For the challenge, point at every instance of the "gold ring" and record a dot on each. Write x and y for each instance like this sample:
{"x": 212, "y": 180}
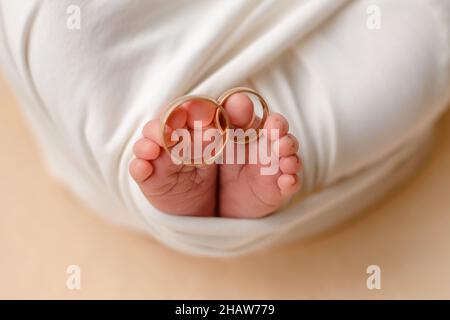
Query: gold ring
{"x": 264, "y": 106}
{"x": 217, "y": 120}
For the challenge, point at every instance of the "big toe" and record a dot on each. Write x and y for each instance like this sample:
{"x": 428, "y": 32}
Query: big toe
{"x": 240, "y": 110}
{"x": 200, "y": 111}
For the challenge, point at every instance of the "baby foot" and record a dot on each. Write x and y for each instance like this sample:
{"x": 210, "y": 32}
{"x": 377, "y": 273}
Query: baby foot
{"x": 243, "y": 191}
{"x": 175, "y": 188}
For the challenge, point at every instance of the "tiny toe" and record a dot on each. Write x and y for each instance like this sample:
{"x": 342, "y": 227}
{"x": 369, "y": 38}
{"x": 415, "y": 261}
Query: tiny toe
{"x": 152, "y": 131}
{"x": 140, "y": 170}
{"x": 199, "y": 110}
{"x": 276, "y": 126}
{"x": 178, "y": 118}
{"x": 146, "y": 149}
{"x": 287, "y": 145}
{"x": 240, "y": 110}
{"x": 290, "y": 165}
{"x": 288, "y": 184}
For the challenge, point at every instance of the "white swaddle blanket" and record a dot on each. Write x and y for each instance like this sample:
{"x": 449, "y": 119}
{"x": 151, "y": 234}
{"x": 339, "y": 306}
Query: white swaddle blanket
{"x": 361, "y": 100}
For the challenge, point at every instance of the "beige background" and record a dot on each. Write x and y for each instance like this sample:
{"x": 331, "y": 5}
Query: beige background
{"x": 43, "y": 229}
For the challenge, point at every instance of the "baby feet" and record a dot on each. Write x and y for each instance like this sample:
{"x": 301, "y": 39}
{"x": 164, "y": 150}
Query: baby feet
{"x": 245, "y": 192}
{"x": 175, "y": 188}
{"x": 229, "y": 189}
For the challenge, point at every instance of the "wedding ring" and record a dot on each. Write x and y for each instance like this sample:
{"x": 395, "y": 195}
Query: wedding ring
{"x": 265, "y": 108}
{"x": 221, "y": 121}
{"x": 220, "y": 116}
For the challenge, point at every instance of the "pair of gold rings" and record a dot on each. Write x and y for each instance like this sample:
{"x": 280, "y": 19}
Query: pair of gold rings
{"x": 221, "y": 119}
